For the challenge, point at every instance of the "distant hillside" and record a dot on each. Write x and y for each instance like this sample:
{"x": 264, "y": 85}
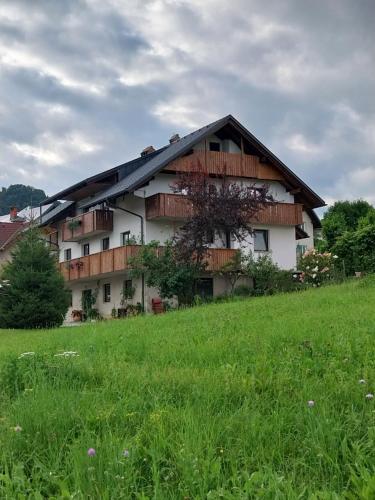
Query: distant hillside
{"x": 20, "y": 196}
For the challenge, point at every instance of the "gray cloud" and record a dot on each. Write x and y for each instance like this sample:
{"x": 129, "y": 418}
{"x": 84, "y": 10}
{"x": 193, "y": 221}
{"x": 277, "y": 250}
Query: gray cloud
{"x": 85, "y": 85}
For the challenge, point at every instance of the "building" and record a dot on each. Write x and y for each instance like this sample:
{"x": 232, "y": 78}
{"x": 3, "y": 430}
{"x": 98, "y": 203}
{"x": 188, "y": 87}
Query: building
{"x": 104, "y": 218}
{"x": 12, "y": 225}
{"x": 9, "y": 232}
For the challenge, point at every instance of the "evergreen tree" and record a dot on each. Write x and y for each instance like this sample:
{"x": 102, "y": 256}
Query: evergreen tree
{"x": 35, "y": 295}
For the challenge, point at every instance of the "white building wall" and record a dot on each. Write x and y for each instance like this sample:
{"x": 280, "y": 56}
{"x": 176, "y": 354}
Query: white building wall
{"x": 309, "y": 228}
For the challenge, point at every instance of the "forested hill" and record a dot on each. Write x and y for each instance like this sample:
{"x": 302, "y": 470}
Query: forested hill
{"x": 20, "y": 196}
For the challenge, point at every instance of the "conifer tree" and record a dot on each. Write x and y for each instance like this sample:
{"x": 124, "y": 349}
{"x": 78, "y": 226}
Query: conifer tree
{"x": 35, "y": 295}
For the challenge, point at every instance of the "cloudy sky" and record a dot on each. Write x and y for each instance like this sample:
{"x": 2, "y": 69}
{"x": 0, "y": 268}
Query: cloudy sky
{"x": 87, "y": 84}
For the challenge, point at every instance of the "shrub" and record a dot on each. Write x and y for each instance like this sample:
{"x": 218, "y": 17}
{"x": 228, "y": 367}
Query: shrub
{"x": 316, "y": 267}
{"x": 263, "y": 272}
{"x": 243, "y": 291}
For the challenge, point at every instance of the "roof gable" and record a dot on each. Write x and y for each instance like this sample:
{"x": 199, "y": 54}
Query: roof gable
{"x": 134, "y": 174}
{"x": 8, "y": 230}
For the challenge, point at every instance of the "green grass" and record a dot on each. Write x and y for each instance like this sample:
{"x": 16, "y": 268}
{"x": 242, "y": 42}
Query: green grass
{"x": 210, "y": 402}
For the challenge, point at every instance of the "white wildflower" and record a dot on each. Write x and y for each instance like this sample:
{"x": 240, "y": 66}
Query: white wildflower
{"x": 67, "y": 354}
{"x": 369, "y": 396}
{"x": 24, "y": 354}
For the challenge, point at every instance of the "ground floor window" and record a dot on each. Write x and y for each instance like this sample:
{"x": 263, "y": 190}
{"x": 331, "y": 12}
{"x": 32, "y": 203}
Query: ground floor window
{"x": 261, "y": 240}
{"x": 205, "y": 287}
{"x": 107, "y": 292}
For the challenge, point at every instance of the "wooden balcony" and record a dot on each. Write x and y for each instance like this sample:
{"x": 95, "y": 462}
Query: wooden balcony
{"x": 88, "y": 224}
{"x": 175, "y": 206}
{"x": 230, "y": 164}
{"x": 117, "y": 260}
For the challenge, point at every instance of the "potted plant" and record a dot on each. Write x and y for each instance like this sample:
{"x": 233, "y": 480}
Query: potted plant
{"x": 73, "y": 224}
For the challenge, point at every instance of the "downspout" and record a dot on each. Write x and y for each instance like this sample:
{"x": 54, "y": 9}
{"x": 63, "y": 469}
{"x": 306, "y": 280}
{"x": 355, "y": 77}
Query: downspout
{"x": 115, "y": 207}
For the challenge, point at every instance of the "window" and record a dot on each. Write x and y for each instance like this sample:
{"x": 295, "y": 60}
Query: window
{"x": 105, "y": 244}
{"x": 210, "y": 237}
{"x": 301, "y": 249}
{"x": 128, "y": 289}
{"x": 67, "y": 254}
{"x": 214, "y": 146}
{"x": 204, "y": 287}
{"x": 86, "y": 249}
{"x": 125, "y": 238}
{"x": 107, "y": 292}
{"x": 261, "y": 240}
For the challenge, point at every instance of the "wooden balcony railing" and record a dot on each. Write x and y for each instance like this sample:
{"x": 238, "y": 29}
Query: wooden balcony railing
{"x": 175, "y": 206}
{"x": 232, "y": 164}
{"x": 117, "y": 259}
{"x": 88, "y": 224}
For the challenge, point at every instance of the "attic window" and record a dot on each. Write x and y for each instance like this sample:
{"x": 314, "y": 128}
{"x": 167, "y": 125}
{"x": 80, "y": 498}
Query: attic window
{"x": 214, "y": 146}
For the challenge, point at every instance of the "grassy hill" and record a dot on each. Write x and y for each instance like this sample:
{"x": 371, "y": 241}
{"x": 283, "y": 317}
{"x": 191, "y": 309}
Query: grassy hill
{"x": 210, "y": 402}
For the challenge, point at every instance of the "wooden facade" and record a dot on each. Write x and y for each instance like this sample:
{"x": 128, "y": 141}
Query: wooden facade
{"x": 175, "y": 206}
{"x": 230, "y": 164}
{"x": 117, "y": 259}
{"x": 87, "y": 224}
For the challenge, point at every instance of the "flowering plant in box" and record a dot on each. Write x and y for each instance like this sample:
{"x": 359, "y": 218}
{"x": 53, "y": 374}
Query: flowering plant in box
{"x": 316, "y": 267}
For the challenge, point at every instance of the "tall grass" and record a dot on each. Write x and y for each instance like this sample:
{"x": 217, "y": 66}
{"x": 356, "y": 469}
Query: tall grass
{"x": 210, "y": 403}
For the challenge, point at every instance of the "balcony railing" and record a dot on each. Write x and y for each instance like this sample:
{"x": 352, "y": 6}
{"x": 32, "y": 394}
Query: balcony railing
{"x": 175, "y": 206}
{"x": 88, "y": 224}
{"x": 230, "y": 164}
{"x": 117, "y": 259}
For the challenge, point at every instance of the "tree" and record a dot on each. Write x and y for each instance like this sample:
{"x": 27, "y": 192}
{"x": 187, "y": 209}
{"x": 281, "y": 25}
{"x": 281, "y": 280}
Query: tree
{"x": 20, "y": 196}
{"x": 356, "y": 249}
{"x": 164, "y": 270}
{"x": 35, "y": 296}
{"x": 219, "y": 206}
{"x": 234, "y": 269}
{"x": 344, "y": 216}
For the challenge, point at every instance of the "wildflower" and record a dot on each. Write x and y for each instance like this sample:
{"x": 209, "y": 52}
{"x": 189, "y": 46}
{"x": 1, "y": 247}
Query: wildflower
{"x": 125, "y": 453}
{"x": 17, "y": 428}
{"x": 362, "y": 381}
{"x": 67, "y": 354}
{"x": 315, "y": 269}
{"x": 369, "y": 396}
{"x": 310, "y": 403}
{"x": 91, "y": 452}
{"x": 335, "y": 256}
{"x": 314, "y": 276}
{"x": 295, "y": 276}
{"x": 24, "y": 354}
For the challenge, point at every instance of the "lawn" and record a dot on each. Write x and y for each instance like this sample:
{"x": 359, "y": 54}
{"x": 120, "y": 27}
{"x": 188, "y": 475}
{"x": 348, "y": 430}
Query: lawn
{"x": 210, "y": 402}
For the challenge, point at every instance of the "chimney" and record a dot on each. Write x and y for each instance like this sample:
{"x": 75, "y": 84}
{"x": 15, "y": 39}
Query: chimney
{"x": 13, "y": 213}
{"x": 174, "y": 138}
{"x": 148, "y": 150}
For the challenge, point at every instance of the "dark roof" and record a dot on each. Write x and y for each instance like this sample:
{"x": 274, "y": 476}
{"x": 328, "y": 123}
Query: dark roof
{"x": 8, "y": 230}
{"x": 122, "y": 170}
{"x": 136, "y": 173}
{"x": 56, "y": 213}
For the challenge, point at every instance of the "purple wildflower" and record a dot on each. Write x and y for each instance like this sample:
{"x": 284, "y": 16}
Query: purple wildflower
{"x": 91, "y": 452}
